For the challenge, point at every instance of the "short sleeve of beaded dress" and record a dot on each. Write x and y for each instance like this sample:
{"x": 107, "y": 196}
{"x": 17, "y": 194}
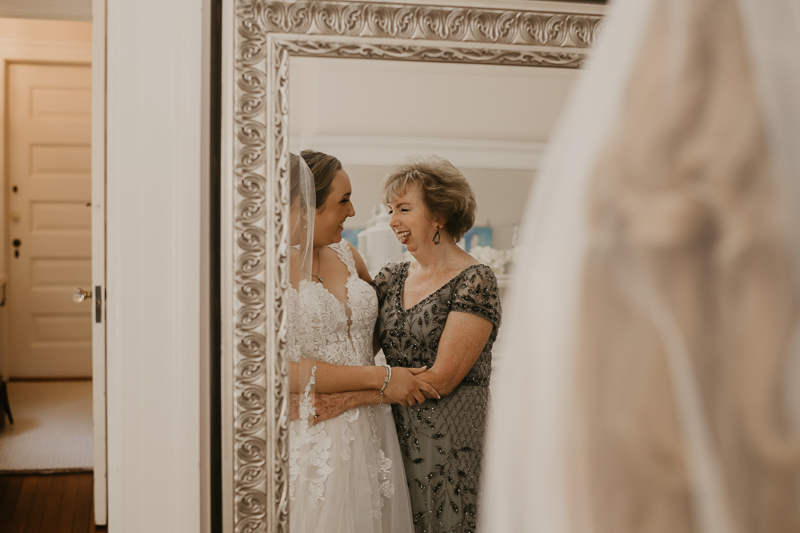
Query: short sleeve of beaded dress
{"x": 441, "y": 440}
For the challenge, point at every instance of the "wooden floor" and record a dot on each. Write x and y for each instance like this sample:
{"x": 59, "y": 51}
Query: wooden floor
{"x": 52, "y": 503}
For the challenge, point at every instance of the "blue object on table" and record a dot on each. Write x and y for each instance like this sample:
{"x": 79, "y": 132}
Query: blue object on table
{"x": 478, "y": 236}
{"x": 351, "y": 236}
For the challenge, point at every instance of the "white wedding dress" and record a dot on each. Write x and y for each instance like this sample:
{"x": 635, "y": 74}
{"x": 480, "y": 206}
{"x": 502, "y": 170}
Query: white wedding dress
{"x": 346, "y": 474}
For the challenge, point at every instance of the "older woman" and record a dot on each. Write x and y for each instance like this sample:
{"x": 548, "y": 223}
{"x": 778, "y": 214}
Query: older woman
{"x": 441, "y": 311}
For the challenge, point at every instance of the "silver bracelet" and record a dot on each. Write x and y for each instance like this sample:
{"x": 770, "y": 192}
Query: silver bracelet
{"x": 388, "y": 377}
{"x": 386, "y": 380}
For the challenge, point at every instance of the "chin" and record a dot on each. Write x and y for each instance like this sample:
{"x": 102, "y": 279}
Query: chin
{"x": 336, "y": 238}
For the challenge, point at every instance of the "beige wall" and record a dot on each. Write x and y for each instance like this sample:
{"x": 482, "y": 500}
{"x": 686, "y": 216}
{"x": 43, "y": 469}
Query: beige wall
{"x": 45, "y": 30}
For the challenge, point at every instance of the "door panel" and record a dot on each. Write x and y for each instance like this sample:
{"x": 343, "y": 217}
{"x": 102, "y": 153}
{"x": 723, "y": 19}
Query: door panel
{"x": 54, "y": 217}
{"x": 48, "y": 157}
{"x": 49, "y": 163}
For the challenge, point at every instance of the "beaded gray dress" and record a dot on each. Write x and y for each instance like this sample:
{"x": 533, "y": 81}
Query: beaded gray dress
{"x": 441, "y": 440}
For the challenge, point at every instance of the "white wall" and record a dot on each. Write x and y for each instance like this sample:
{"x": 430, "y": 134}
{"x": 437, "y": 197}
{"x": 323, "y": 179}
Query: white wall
{"x": 154, "y": 188}
{"x": 492, "y": 122}
{"x": 412, "y": 99}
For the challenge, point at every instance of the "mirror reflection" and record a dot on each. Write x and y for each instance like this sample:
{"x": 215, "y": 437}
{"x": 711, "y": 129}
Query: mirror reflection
{"x": 408, "y": 183}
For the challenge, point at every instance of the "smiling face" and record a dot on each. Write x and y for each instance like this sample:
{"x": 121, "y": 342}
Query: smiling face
{"x": 330, "y": 217}
{"x": 411, "y": 221}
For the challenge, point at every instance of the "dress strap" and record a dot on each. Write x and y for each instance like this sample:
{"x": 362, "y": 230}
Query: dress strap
{"x": 342, "y": 249}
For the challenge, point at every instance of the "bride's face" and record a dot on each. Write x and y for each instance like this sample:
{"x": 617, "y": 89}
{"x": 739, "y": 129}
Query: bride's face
{"x": 329, "y": 222}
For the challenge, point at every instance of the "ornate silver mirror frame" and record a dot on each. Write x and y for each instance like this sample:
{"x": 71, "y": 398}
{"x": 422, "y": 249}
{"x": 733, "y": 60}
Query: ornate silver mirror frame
{"x": 259, "y": 38}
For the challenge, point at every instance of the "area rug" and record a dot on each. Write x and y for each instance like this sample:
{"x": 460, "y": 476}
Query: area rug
{"x": 52, "y": 430}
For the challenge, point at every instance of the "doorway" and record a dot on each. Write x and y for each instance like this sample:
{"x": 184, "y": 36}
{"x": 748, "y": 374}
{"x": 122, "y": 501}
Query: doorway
{"x": 47, "y": 330}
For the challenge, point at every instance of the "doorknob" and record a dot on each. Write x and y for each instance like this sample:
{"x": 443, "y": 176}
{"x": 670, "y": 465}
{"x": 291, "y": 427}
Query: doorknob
{"x": 79, "y": 295}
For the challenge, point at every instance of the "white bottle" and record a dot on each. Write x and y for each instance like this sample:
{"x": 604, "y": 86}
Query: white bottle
{"x": 380, "y": 245}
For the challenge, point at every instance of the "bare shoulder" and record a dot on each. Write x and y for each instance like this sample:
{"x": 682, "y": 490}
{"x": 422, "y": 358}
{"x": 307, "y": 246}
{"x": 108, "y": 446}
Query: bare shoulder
{"x": 361, "y": 266}
{"x": 356, "y": 255}
{"x": 466, "y": 261}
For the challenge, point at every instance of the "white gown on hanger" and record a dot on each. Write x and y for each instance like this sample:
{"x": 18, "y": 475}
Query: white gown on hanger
{"x": 346, "y": 474}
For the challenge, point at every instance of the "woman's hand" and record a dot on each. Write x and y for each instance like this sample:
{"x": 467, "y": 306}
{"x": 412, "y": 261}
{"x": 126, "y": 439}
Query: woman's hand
{"x": 331, "y": 405}
{"x": 328, "y": 405}
{"x": 406, "y": 388}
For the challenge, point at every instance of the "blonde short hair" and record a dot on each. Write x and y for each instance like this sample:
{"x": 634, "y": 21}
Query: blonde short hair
{"x": 445, "y": 191}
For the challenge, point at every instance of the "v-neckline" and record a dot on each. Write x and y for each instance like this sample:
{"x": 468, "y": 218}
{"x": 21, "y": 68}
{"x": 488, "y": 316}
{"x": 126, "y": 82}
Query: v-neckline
{"x": 402, "y": 287}
{"x": 351, "y": 274}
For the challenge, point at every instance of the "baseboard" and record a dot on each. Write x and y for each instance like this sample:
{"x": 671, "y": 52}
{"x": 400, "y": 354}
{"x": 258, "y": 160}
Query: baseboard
{"x": 46, "y": 472}
{"x": 45, "y": 379}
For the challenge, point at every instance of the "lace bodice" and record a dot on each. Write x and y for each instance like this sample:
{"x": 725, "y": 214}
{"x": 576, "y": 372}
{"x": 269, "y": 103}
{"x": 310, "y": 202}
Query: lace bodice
{"x": 349, "y": 465}
{"x": 326, "y": 329}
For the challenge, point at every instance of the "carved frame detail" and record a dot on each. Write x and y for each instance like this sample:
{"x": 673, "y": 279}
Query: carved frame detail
{"x": 266, "y": 34}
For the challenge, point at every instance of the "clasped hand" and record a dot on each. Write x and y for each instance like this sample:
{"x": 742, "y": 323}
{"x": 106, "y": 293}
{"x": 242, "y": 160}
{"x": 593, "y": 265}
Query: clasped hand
{"x": 407, "y": 389}
{"x": 404, "y": 388}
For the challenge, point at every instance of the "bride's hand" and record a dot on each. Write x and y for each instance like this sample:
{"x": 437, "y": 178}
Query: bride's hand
{"x": 406, "y": 388}
{"x": 330, "y": 405}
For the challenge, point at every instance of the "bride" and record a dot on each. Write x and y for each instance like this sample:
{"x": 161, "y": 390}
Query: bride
{"x": 346, "y": 474}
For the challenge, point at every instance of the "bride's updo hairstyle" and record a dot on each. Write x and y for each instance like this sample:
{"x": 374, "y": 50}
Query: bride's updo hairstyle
{"x": 445, "y": 191}
{"x": 324, "y": 167}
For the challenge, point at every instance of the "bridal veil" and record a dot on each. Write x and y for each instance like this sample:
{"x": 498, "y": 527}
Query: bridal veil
{"x": 302, "y": 211}
{"x": 650, "y": 373}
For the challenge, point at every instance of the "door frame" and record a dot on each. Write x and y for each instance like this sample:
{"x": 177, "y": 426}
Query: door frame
{"x": 32, "y": 51}
{"x": 99, "y": 345}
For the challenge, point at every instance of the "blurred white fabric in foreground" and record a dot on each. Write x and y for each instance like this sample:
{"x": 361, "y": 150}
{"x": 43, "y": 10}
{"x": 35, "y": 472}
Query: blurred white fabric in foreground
{"x": 650, "y": 378}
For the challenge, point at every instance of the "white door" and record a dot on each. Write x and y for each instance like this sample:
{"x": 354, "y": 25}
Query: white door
{"x": 49, "y": 191}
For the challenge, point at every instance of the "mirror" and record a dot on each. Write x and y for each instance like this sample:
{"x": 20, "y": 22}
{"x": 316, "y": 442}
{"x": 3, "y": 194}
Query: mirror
{"x": 480, "y": 86}
{"x": 490, "y": 121}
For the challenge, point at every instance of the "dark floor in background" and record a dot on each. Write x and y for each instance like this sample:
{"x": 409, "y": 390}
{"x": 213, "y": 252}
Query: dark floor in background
{"x": 47, "y": 503}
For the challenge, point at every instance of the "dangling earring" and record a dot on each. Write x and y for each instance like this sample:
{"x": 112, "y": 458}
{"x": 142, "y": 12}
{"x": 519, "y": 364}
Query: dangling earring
{"x": 436, "y": 238}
